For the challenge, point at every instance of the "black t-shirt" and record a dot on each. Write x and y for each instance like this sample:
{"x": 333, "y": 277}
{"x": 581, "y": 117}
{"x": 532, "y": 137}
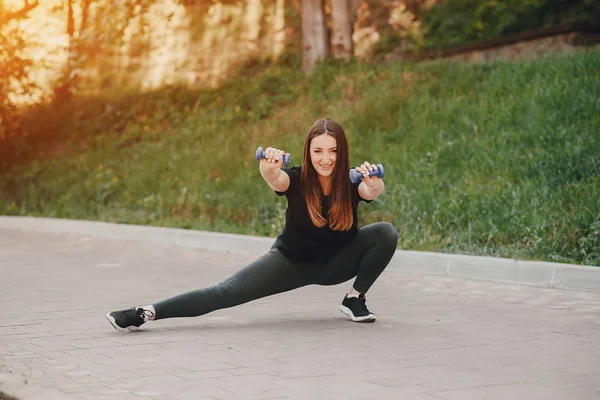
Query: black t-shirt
{"x": 300, "y": 239}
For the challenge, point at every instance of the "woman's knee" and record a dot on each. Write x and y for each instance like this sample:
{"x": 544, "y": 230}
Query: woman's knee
{"x": 384, "y": 233}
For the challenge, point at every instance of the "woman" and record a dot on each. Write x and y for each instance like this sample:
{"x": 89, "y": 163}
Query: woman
{"x": 320, "y": 243}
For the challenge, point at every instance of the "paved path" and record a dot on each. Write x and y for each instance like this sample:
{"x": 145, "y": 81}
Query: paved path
{"x": 436, "y": 337}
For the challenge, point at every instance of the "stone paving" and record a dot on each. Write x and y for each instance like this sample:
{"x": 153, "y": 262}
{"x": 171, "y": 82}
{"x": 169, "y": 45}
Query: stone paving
{"x": 436, "y": 337}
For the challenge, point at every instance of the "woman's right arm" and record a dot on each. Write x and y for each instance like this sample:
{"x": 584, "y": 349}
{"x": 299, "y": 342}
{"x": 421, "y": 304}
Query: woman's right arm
{"x": 270, "y": 169}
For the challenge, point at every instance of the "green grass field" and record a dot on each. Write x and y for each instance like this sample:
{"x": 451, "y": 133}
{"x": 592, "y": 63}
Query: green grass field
{"x": 499, "y": 159}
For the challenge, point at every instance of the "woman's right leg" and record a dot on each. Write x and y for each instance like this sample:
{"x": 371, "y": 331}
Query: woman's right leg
{"x": 270, "y": 274}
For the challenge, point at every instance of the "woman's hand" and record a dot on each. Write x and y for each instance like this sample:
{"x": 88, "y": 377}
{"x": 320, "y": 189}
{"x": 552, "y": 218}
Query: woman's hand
{"x": 371, "y": 186}
{"x": 270, "y": 169}
{"x": 373, "y": 182}
{"x": 273, "y": 160}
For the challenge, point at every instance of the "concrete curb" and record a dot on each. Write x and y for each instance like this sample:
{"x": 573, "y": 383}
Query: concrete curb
{"x": 534, "y": 273}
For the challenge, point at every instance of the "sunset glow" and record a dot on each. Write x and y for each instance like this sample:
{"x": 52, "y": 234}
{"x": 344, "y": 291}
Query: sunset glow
{"x": 171, "y": 52}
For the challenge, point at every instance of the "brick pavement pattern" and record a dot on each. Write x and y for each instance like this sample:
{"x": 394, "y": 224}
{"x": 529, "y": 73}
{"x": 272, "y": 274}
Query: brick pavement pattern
{"x": 436, "y": 337}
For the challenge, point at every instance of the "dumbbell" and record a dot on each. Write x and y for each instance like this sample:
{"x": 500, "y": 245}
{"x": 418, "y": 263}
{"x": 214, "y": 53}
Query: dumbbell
{"x": 260, "y": 153}
{"x": 356, "y": 176}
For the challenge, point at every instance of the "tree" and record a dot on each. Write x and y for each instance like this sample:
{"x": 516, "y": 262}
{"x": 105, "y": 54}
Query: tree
{"x": 63, "y": 89}
{"x": 342, "y": 19}
{"x": 97, "y": 31}
{"x": 315, "y": 46}
{"x": 15, "y": 65}
{"x": 8, "y": 16}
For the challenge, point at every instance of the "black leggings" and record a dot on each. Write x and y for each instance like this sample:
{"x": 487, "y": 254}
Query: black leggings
{"x": 365, "y": 258}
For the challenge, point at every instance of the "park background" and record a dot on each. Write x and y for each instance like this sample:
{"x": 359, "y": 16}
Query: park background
{"x": 484, "y": 113}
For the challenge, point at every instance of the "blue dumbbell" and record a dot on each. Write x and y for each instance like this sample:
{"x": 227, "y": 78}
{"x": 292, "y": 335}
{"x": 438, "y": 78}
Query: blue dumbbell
{"x": 260, "y": 153}
{"x": 356, "y": 176}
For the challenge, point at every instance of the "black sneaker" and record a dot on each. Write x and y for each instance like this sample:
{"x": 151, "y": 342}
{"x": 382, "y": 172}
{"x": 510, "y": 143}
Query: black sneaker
{"x": 131, "y": 318}
{"x": 356, "y": 308}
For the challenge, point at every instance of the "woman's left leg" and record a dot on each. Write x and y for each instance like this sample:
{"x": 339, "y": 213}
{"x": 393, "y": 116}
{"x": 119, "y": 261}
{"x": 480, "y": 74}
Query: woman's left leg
{"x": 365, "y": 258}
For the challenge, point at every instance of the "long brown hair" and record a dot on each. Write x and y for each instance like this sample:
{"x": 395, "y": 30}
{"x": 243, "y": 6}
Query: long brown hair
{"x": 340, "y": 196}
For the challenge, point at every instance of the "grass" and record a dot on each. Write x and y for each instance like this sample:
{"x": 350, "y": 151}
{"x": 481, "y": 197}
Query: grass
{"x": 498, "y": 159}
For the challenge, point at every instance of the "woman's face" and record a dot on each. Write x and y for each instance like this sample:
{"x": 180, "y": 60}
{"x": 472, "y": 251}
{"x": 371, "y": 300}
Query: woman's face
{"x": 323, "y": 154}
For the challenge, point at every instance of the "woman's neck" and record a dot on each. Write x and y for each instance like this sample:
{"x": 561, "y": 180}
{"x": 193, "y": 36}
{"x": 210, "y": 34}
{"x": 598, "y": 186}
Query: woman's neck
{"x": 325, "y": 182}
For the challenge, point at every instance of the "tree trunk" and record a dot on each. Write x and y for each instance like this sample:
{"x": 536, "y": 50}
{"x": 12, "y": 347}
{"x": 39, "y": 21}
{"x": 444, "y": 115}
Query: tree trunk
{"x": 254, "y": 15}
{"x": 342, "y": 18}
{"x": 63, "y": 91}
{"x": 70, "y": 21}
{"x": 314, "y": 34}
{"x": 353, "y": 4}
{"x": 279, "y": 28}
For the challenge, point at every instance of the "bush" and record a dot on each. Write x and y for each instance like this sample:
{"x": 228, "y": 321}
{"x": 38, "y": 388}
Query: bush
{"x": 453, "y": 22}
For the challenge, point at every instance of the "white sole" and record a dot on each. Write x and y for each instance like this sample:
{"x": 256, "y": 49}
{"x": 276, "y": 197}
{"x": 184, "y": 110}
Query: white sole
{"x": 366, "y": 318}
{"x": 117, "y": 327}
{"x": 114, "y": 323}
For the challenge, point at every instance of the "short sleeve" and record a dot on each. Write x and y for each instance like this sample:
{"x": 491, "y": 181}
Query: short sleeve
{"x": 355, "y": 193}
{"x": 294, "y": 174}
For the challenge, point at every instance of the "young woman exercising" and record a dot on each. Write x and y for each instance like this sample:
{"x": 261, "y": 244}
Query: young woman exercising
{"x": 320, "y": 244}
